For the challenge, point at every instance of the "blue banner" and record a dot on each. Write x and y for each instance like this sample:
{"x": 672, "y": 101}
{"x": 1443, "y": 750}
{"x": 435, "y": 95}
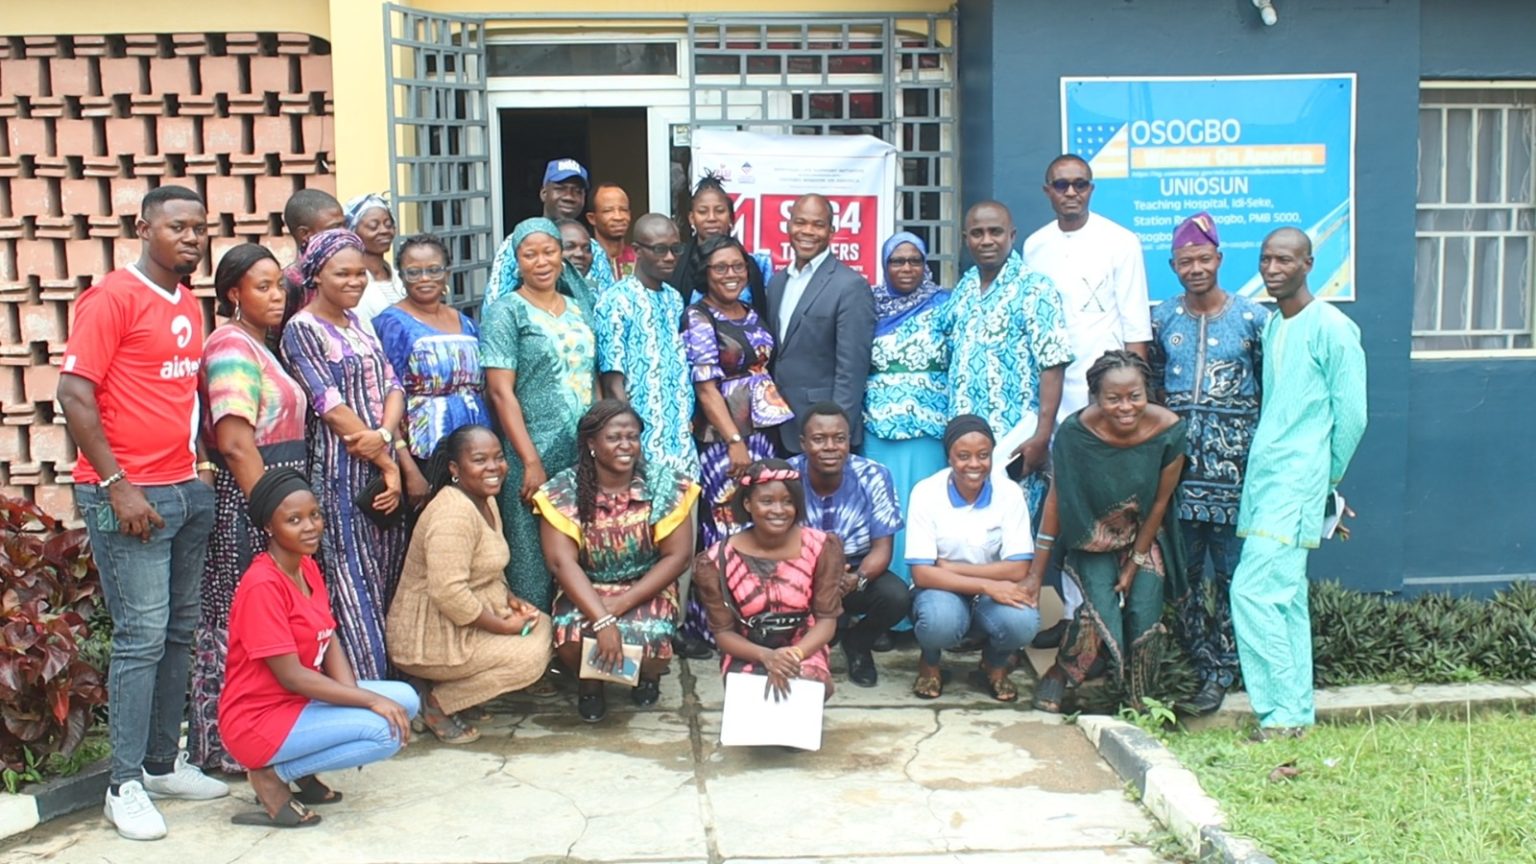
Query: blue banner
{"x": 1256, "y": 152}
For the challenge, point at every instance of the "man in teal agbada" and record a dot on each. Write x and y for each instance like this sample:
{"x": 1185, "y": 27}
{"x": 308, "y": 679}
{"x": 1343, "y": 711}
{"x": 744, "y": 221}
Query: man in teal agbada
{"x": 1313, "y": 416}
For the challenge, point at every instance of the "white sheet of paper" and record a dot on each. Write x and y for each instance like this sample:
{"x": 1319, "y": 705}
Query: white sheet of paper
{"x": 1009, "y": 441}
{"x": 1331, "y": 519}
{"x": 749, "y": 720}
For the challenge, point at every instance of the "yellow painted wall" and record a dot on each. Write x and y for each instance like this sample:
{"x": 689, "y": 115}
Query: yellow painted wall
{"x": 22, "y": 18}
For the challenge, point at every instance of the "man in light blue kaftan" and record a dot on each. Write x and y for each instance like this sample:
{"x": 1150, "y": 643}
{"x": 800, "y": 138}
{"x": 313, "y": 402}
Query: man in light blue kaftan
{"x": 1313, "y": 417}
{"x": 640, "y": 354}
{"x": 1008, "y": 343}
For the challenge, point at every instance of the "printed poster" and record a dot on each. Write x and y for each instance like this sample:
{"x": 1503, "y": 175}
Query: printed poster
{"x": 764, "y": 174}
{"x": 1257, "y": 152}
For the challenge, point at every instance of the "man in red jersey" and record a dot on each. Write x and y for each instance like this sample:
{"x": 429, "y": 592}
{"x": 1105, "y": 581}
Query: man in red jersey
{"x": 129, "y": 393}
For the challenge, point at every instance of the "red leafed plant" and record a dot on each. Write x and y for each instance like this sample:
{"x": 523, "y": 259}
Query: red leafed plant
{"x": 49, "y": 589}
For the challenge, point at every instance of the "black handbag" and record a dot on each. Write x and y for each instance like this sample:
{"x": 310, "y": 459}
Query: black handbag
{"x": 364, "y": 502}
{"x": 771, "y": 630}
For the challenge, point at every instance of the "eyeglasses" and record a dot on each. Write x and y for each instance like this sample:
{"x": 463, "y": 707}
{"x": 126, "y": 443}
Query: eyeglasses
{"x": 660, "y": 250}
{"x": 1079, "y": 184}
{"x": 738, "y": 268}
{"x": 416, "y": 274}
{"x": 913, "y": 261}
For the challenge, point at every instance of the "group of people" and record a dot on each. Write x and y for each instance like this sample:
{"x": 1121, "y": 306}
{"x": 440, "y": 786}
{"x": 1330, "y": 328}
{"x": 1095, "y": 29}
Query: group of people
{"x": 373, "y": 512}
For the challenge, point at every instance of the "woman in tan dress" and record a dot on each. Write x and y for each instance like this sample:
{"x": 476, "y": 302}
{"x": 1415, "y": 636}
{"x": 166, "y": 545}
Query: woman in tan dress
{"x": 454, "y": 625}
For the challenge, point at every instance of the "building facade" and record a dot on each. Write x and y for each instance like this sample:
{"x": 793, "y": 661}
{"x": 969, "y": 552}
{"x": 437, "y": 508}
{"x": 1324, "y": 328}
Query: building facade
{"x": 450, "y": 104}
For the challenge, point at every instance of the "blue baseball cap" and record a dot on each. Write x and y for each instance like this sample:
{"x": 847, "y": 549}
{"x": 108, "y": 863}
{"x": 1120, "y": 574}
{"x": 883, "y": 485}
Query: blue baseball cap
{"x": 564, "y": 169}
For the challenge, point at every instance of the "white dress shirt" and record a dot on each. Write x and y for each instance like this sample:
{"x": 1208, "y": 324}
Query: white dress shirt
{"x": 794, "y": 289}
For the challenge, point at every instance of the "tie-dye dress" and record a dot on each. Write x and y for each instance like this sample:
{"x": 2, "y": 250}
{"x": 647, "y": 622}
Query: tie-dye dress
{"x": 440, "y": 372}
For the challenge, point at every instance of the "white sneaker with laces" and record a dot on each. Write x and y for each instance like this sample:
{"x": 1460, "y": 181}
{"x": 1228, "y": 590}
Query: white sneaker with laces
{"x": 184, "y": 781}
{"x": 132, "y": 813}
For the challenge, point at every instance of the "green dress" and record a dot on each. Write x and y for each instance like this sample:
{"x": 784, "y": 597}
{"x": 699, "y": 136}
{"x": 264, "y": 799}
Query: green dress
{"x": 554, "y": 360}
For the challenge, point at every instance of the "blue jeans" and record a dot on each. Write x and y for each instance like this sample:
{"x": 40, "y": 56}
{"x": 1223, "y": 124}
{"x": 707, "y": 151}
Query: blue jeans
{"x": 332, "y": 737}
{"x": 941, "y": 619}
{"x": 151, "y": 589}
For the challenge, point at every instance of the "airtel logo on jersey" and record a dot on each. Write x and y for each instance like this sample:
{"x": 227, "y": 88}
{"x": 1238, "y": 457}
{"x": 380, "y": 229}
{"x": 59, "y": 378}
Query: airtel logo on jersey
{"x": 181, "y": 328}
{"x": 181, "y": 367}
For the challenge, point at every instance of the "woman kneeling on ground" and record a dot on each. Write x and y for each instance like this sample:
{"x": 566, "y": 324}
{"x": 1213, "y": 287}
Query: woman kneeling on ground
{"x": 1117, "y": 465}
{"x": 617, "y": 533}
{"x": 291, "y": 707}
{"x": 776, "y": 566}
{"x": 969, "y": 548}
{"x": 454, "y": 625}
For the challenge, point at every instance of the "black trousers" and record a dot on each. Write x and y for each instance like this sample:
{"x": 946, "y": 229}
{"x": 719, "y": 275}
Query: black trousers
{"x": 883, "y": 602}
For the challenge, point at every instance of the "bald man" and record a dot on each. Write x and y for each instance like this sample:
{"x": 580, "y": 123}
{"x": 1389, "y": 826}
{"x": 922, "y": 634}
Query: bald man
{"x": 822, "y": 314}
{"x": 640, "y": 354}
{"x": 1312, "y": 419}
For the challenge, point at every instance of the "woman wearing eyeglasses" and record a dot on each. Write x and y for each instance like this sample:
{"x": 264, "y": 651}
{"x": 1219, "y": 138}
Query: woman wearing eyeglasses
{"x": 433, "y": 348}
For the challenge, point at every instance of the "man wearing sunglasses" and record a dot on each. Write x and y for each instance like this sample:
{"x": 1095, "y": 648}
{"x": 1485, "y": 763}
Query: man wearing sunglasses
{"x": 640, "y": 356}
{"x": 1097, "y": 266}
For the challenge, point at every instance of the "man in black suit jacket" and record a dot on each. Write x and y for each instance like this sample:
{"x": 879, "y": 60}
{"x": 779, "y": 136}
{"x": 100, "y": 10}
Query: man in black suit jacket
{"x": 822, "y": 314}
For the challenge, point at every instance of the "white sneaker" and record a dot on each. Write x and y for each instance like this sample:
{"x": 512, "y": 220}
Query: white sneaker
{"x": 132, "y": 813}
{"x": 184, "y": 781}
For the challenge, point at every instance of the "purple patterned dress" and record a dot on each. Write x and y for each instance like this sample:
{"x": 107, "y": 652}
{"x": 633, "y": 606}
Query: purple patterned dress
{"x": 733, "y": 353}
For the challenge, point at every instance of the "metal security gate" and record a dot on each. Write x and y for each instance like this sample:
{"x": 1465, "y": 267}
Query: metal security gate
{"x": 439, "y": 138}
{"x": 891, "y": 76}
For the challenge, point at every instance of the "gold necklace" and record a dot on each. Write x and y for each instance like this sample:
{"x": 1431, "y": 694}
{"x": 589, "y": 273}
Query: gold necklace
{"x": 548, "y": 310}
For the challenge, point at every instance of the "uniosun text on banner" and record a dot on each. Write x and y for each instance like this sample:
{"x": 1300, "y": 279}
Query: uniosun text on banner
{"x": 764, "y": 174}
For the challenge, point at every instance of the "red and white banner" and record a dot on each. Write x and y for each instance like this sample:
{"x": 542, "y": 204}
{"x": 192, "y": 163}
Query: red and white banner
{"x": 764, "y": 174}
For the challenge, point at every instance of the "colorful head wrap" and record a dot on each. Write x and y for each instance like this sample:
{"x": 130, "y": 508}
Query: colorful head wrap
{"x": 768, "y": 472}
{"x": 1197, "y": 230}
{"x": 270, "y": 491}
{"x": 355, "y": 208}
{"x": 322, "y": 248}
{"x": 964, "y": 425}
{"x": 892, "y": 306}
{"x": 529, "y": 227}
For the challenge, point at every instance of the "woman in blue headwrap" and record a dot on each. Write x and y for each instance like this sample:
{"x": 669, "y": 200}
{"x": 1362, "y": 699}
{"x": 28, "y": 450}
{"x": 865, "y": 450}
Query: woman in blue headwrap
{"x": 905, "y": 401}
{"x": 538, "y": 352}
{"x": 369, "y": 218}
{"x": 353, "y": 435}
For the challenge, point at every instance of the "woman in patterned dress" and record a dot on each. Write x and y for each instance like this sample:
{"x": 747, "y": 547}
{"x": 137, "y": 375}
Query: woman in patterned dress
{"x": 617, "y": 534}
{"x": 906, "y": 402}
{"x": 776, "y": 565}
{"x": 539, "y": 356}
{"x": 255, "y": 422}
{"x": 358, "y": 406}
{"x": 433, "y": 348}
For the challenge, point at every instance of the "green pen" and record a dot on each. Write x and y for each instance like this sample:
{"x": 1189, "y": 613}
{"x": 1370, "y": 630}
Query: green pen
{"x": 527, "y": 628}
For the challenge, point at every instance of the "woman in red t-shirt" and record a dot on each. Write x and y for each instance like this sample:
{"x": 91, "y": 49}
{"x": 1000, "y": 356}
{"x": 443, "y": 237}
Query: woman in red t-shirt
{"x": 291, "y": 707}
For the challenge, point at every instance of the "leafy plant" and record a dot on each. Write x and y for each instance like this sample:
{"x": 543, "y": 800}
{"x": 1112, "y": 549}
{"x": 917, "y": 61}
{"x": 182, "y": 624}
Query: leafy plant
{"x": 1154, "y": 717}
{"x": 49, "y": 591}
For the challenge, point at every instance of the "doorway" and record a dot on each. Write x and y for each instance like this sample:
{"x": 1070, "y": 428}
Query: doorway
{"x": 611, "y": 142}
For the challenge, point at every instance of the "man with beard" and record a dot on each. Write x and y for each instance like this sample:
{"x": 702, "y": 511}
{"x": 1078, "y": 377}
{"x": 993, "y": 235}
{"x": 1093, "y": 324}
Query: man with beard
{"x": 129, "y": 394}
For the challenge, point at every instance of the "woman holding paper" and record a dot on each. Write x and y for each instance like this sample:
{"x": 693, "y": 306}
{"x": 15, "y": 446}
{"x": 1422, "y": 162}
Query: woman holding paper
{"x": 1117, "y": 465}
{"x": 617, "y": 535}
{"x": 454, "y": 625}
{"x": 773, "y": 592}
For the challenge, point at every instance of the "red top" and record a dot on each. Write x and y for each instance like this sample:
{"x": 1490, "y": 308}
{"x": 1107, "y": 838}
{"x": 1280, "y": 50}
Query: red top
{"x": 141, "y": 346}
{"x": 270, "y": 617}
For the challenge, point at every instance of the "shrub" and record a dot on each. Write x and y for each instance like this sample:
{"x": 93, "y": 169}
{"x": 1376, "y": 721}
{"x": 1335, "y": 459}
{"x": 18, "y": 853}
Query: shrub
{"x": 49, "y": 591}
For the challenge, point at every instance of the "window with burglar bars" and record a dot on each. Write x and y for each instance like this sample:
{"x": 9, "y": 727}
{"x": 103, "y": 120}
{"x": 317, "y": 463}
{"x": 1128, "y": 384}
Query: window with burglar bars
{"x": 1476, "y": 266}
{"x": 439, "y": 141}
{"x": 887, "y": 76}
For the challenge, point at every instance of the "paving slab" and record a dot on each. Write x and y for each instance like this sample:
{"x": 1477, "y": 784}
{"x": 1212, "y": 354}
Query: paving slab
{"x": 961, "y": 779}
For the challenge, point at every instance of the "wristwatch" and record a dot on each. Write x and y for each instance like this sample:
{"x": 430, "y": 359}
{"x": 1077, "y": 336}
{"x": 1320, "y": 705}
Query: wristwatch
{"x": 735, "y": 438}
{"x": 388, "y": 436}
{"x": 1142, "y": 559}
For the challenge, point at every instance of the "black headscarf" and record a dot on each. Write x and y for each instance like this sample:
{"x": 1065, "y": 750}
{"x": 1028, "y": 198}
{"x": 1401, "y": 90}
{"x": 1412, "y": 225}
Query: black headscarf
{"x": 963, "y": 425}
{"x": 274, "y": 486}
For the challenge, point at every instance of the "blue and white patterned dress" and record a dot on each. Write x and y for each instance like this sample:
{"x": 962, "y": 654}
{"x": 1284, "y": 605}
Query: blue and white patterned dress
{"x": 639, "y": 335}
{"x": 444, "y": 385}
{"x": 908, "y": 391}
{"x": 998, "y": 343}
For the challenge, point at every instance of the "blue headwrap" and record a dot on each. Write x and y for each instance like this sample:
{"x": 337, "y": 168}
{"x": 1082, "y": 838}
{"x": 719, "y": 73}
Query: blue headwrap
{"x": 322, "y": 247}
{"x": 891, "y": 306}
{"x": 504, "y": 273}
{"x": 355, "y": 208}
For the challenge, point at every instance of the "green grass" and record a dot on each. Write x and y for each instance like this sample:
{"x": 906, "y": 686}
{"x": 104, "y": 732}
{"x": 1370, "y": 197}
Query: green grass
{"x": 1385, "y": 791}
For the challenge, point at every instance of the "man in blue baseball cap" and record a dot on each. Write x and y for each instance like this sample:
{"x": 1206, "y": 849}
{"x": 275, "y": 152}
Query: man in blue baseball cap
{"x": 564, "y": 192}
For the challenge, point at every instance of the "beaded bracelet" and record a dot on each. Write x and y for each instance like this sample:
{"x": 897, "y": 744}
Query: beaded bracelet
{"x": 603, "y": 623}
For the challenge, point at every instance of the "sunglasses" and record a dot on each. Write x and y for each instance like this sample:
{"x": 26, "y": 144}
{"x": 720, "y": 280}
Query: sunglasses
{"x": 660, "y": 250}
{"x": 913, "y": 261}
{"x": 1079, "y": 184}
{"x": 416, "y": 274}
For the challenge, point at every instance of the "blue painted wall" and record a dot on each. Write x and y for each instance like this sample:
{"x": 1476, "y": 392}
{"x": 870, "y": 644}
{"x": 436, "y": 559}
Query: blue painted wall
{"x": 1036, "y": 43}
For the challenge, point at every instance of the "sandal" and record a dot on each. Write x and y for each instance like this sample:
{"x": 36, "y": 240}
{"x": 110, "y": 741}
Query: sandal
{"x": 928, "y": 686}
{"x": 446, "y": 727}
{"x": 474, "y": 714}
{"x": 592, "y": 706}
{"x": 313, "y": 792}
{"x": 1050, "y": 693}
{"x": 1002, "y": 689}
{"x": 291, "y": 815}
{"x": 646, "y": 693}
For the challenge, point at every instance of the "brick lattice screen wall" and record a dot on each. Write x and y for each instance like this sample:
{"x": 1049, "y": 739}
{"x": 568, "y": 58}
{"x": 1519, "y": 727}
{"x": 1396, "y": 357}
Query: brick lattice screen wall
{"x": 88, "y": 124}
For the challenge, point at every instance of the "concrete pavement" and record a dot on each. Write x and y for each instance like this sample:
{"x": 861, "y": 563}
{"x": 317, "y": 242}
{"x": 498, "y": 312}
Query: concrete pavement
{"x": 962, "y": 779}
